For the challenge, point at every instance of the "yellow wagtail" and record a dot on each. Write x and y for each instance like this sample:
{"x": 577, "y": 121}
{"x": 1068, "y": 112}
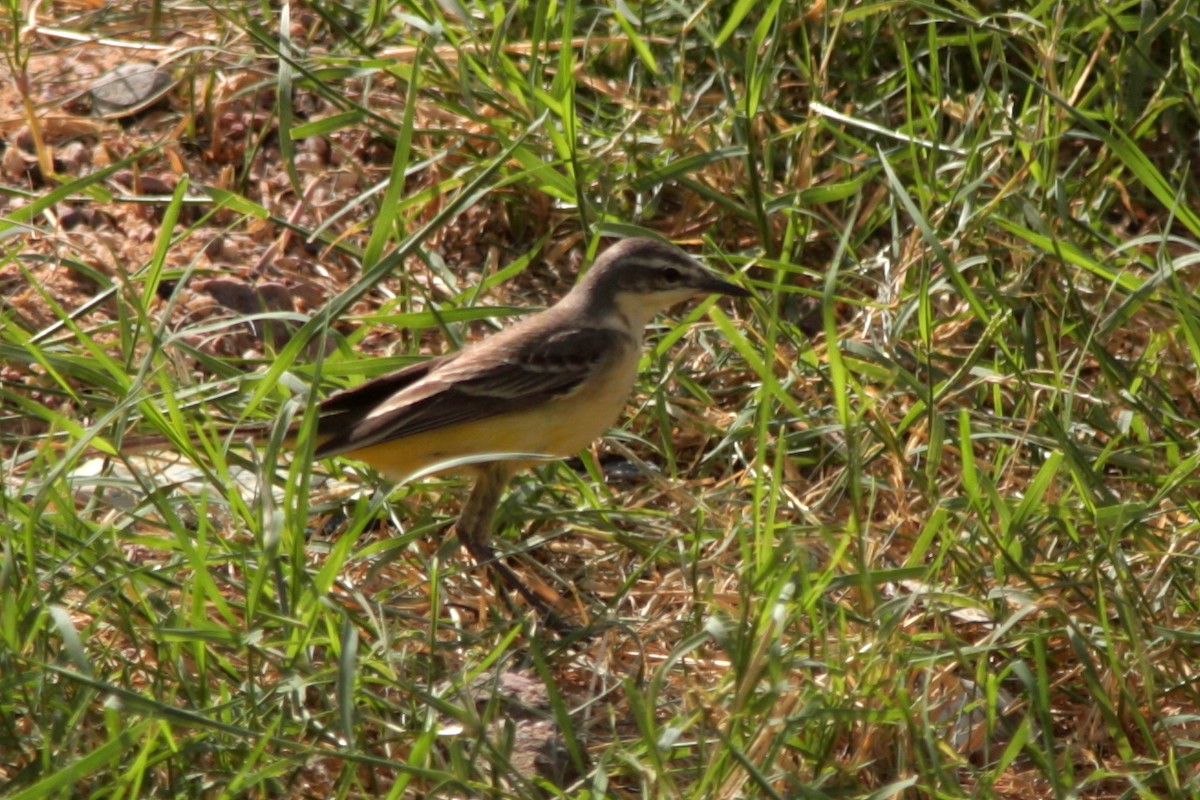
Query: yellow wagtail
{"x": 545, "y": 387}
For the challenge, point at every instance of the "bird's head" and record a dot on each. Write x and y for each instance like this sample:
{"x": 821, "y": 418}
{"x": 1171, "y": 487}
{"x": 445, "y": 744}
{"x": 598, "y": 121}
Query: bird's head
{"x": 638, "y": 278}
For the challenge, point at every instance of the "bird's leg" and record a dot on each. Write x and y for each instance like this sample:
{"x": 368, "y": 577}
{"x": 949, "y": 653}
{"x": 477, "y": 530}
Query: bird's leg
{"x": 474, "y": 528}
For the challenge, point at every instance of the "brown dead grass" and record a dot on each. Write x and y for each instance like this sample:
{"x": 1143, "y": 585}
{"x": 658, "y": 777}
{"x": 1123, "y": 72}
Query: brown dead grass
{"x": 217, "y": 129}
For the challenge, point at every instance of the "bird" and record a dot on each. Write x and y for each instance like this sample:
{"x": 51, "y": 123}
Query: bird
{"x": 542, "y": 389}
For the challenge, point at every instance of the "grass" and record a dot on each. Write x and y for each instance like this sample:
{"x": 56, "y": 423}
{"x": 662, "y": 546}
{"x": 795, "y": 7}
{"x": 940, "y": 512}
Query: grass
{"x": 920, "y": 521}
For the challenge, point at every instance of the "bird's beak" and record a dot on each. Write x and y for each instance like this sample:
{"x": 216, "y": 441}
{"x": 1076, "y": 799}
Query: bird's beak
{"x": 714, "y": 285}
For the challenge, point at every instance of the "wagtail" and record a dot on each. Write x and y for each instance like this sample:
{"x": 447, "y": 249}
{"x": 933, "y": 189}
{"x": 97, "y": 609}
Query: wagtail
{"x": 542, "y": 389}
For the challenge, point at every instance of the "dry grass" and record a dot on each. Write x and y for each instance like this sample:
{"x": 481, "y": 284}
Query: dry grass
{"x": 921, "y": 521}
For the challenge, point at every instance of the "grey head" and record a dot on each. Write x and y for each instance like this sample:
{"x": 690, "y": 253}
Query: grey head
{"x": 640, "y": 277}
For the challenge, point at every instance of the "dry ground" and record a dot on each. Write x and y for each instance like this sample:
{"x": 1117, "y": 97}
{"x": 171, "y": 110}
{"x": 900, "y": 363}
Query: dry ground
{"x": 886, "y": 596}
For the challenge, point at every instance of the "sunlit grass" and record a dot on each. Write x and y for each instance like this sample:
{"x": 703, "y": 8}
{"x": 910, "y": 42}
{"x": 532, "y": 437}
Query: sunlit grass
{"x": 919, "y": 520}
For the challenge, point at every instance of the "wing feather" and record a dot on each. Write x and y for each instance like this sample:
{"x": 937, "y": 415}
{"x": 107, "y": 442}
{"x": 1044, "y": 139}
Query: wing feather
{"x": 500, "y": 377}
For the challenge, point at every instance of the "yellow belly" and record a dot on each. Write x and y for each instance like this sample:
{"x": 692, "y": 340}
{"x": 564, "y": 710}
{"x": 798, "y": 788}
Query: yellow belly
{"x": 557, "y": 429}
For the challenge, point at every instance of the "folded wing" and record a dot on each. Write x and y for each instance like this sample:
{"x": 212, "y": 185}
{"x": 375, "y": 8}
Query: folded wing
{"x": 474, "y": 384}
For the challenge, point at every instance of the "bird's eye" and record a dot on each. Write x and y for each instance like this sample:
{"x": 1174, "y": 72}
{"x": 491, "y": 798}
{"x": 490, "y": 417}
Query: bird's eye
{"x": 672, "y": 275}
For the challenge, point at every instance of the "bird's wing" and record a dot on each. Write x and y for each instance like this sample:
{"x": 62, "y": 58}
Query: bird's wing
{"x": 348, "y": 404}
{"x": 475, "y": 384}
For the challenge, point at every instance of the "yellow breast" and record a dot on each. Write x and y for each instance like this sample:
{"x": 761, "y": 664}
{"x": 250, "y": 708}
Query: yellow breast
{"x": 559, "y": 428}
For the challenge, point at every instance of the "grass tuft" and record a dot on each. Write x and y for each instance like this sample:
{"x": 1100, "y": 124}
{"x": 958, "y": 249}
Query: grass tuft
{"x": 919, "y": 520}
